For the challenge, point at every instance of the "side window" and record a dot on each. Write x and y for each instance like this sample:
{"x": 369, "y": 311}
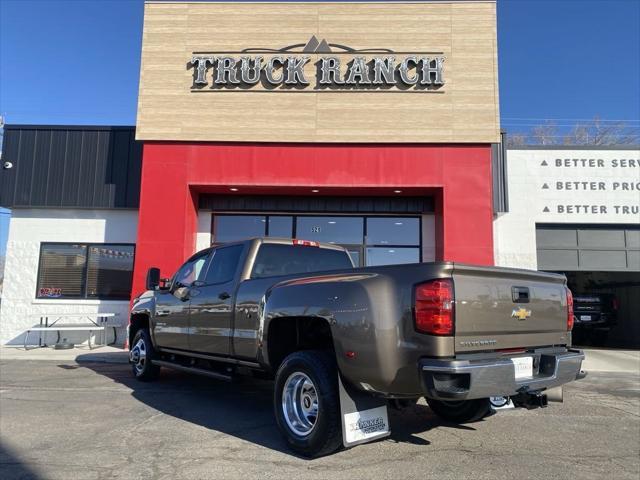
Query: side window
{"x": 190, "y": 271}
{"x": 223, "y": 264}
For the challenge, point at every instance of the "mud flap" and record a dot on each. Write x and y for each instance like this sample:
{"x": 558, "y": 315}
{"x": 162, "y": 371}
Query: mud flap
{"x": 364, "y": 417}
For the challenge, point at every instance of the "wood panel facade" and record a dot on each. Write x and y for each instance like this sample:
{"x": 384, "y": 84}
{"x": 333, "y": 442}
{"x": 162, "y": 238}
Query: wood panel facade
{"x": 464, "y": 110}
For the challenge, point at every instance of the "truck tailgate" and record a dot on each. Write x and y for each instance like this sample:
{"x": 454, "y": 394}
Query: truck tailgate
{"x": 502, "y": 308}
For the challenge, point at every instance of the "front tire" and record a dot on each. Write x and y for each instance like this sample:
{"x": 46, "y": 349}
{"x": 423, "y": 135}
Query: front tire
{"x": 461, "y": 411}
{"x": 141, "y": 355}
{"x": 307, "y": 403}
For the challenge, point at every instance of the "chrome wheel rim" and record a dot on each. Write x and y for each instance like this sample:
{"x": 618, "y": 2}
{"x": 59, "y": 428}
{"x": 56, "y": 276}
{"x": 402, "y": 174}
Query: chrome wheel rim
{"x": 138, "y": 355}
{"x": 300, "y": 404}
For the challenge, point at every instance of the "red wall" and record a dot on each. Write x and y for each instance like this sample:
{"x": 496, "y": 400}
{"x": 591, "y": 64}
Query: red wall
{"x": 173, "y": 174}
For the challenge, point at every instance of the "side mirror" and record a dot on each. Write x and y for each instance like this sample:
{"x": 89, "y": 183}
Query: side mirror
{"x": 153, "y": 278}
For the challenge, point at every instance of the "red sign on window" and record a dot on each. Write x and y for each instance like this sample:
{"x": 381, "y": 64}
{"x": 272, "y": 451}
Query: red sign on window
{"x": 50, "y": 292}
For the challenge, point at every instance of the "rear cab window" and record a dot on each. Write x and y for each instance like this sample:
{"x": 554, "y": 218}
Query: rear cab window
{"x": 276, "y": 259}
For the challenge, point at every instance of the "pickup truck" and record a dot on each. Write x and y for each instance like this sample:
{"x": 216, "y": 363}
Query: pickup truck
{"x": 595, "y": 315}
{"x": 299, "y": 312}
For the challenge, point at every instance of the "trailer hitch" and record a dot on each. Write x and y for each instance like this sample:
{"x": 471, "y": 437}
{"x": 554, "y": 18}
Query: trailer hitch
{"x": 530, "y": 400}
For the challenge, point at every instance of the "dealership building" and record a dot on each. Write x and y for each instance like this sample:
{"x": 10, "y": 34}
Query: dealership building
{"x": 349, "y": 123}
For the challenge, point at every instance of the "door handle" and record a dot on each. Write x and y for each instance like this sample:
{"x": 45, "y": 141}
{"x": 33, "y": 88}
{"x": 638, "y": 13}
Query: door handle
{"x": 224, "y": 296}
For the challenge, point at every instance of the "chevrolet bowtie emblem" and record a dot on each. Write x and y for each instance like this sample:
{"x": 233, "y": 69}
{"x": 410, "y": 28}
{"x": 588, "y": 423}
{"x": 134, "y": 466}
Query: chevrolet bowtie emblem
{"x": 521, "y": 313}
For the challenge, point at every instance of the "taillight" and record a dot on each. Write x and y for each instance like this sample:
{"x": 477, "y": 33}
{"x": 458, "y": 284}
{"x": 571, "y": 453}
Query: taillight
{"x": 614, "y": 303}
{"x": 433, "y": 309}
{"x": 569, "y": 310}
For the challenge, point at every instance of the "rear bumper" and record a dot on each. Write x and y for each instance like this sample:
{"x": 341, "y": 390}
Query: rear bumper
{"x": 467, "y": 379}
{"x": 595, "y": 320}
{"x": 599, "y": 324}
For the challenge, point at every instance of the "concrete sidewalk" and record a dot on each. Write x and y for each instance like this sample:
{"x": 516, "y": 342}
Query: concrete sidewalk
{"x": 597, "y": 360}
{"x": 607, "y": 360}
{"x": 78, "y": 355}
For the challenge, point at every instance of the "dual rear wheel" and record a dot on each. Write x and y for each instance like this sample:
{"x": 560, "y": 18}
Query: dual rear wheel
{"x": 307, "y": 403}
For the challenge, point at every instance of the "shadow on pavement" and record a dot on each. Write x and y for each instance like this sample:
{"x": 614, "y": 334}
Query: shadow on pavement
{"x": 12, "y": 468}
{"x": 243, "y": 408}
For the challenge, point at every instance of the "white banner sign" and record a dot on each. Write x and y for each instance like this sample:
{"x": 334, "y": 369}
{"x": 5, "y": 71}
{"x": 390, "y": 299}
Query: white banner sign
{"x": 596, "y": 186}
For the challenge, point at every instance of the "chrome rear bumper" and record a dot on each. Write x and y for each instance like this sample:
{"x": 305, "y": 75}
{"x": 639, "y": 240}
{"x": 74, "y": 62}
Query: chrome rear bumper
{"x": 469, "y": 379}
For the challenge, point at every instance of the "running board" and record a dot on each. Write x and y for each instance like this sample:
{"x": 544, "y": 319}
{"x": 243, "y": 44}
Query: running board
{"x": 197, "y": 371}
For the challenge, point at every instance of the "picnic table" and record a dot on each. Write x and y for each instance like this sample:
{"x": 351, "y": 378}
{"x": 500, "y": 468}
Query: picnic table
{"x": 56, "y": 322}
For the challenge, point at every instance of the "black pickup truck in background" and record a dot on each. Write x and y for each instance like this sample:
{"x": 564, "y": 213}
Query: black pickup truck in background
{"x": 299, "y": 312}
{"x": 595, "y": 315}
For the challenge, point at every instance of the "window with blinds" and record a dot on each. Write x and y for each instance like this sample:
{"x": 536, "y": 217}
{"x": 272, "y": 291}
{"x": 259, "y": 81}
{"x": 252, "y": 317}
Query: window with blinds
{"x": 96, "y": 271}
{"x": 109, "y": 271}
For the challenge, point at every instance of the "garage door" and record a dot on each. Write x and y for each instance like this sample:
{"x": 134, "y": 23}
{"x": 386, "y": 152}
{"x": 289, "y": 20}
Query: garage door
{"x": 588, "y": 248}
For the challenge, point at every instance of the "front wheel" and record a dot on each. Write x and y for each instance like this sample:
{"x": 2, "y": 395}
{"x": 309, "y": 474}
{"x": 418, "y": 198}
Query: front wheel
{"x": 141, "y": 355}
{"x": 307, "y": 403}
{"x": 460, "y": 411}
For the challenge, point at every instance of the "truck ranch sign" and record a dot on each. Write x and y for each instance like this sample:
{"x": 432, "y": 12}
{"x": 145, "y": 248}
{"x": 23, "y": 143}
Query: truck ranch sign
{"x": 348, "y": 69}
{"x": 412, "y": 71}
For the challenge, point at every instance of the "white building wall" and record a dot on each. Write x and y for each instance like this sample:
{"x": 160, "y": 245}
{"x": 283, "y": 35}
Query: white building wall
{"x": 28, "y": 228}
{"x": 564, "y": 186}
{"x": 203, "y": 235}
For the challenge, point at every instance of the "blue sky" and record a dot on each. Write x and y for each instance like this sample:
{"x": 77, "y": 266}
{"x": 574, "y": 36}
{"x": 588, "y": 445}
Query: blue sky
{"x": 77, "y": 61}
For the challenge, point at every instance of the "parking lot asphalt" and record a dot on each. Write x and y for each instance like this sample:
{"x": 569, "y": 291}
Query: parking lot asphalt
{"x": 67, "y": 420}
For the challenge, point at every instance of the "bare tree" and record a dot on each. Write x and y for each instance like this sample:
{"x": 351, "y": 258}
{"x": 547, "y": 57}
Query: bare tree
{"x": 597, "y": 132}
{"x": 545, "y": 134}
{"x": 516, "y": 139}
{"x": 594, "y": 132}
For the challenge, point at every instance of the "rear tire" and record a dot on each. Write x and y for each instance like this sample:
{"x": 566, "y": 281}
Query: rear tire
{"x": 461, "y": 411}
{"x": 307, "y": 403}
{"x": 141, "y": 356}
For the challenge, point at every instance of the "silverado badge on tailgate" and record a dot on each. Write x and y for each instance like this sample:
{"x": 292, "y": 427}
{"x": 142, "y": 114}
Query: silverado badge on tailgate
{"x": 521, "y": 313}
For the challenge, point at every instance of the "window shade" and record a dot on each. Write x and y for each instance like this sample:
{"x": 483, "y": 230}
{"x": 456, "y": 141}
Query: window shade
{"x": 61, "y": 271}
{"x": 109, "y": 271}
{"x": 101, "y": 271}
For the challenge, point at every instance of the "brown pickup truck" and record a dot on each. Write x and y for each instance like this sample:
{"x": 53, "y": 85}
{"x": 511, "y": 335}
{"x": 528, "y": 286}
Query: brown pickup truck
{"x": 341, "y": 341}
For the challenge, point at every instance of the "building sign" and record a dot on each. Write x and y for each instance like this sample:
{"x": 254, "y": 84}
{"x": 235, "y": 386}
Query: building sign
{"x": 319, "y": 72}
{"x": 337, "y": 67}
{"x": 602, "y": 184}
